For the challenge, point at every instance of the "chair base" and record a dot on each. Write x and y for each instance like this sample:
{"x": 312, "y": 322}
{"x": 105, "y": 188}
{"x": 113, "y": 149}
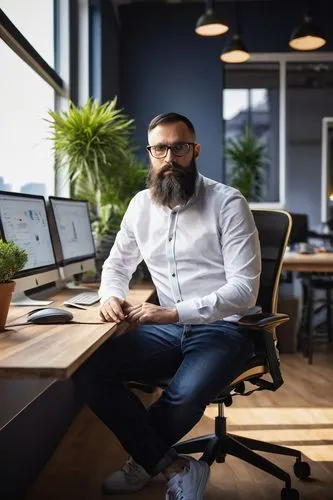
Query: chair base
{"x": 216, "y": 446}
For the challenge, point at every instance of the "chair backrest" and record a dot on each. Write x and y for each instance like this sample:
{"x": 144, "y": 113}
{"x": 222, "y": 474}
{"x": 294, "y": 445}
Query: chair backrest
{"x": 274, "y": 228}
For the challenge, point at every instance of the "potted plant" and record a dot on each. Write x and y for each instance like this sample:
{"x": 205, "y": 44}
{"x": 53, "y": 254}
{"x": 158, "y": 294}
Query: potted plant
{"x": 93, "y": 143}
{"x": 247, "y": 155}
{"x": 12, "y": 260}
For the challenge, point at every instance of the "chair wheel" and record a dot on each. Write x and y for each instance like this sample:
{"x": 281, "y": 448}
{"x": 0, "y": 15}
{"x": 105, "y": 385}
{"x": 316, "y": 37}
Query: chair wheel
{"x": 302, "y": 470}
{"x": 289, "y": 494}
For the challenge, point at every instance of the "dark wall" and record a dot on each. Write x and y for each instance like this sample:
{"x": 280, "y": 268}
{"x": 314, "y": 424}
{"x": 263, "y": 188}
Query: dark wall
{"x": 104, "y": 50}
{"x": 303, "y": 189}
{"x": 165, "y": 66}
{"x": 109, "y": 51}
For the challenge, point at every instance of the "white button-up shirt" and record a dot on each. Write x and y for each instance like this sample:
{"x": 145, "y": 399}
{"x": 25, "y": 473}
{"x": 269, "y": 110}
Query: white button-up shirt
{"x": 203, "y": 257}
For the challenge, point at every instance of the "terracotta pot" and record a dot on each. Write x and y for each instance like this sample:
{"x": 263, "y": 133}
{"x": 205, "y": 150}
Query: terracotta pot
{"x": 6, "y": 290}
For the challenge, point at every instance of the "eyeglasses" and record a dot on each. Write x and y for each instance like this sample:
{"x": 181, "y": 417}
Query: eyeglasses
{"x": 177, "y": 149}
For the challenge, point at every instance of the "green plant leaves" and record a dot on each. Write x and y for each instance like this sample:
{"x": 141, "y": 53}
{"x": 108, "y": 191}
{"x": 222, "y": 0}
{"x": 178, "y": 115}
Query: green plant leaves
{"x": 91, "y": 138}
{"x": 12, "y": 260}
{"x": 93, "y": 143}
{"x": 247, "y": 154}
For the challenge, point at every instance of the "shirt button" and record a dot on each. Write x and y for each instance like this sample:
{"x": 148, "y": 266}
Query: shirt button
{"x": 170, "y": 238}
{"x": 173, "y": 275}
{"x": 178, "y": 301}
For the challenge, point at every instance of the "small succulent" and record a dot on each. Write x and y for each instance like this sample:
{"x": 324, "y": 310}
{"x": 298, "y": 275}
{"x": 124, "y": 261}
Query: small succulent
{"x": 12, "y": 260}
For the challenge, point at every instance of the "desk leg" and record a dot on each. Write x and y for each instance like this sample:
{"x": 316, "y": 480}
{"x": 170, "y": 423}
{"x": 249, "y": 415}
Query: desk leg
{"x": 310, "y": 326}
{"x": 303, "y": 321}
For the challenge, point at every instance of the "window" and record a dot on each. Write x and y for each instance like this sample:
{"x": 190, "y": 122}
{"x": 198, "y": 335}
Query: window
{"x": 251, "y": 103}
{"x": 27, "y": 163}
{"x": 28, "y": 90}
{"x": 34, "y": 19}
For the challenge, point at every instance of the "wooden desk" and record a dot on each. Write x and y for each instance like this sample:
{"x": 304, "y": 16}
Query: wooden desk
{"x": 56, "y": 351}
{"x": 309, "y": 264}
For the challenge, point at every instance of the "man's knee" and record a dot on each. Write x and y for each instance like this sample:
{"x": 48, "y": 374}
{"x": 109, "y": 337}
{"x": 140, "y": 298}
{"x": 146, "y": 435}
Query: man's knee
{"x": 181, "y": 404}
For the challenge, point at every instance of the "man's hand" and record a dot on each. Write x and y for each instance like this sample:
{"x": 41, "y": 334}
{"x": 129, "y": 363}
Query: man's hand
{"x": 150, "y": 313}
{"x": 113, "y": 309}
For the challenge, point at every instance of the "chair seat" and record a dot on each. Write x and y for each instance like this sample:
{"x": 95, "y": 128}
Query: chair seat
{"x": 255, "y": 367}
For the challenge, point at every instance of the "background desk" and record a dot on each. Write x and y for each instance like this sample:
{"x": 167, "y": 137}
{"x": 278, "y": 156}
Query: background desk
{"x": 309, "y": 264}
{"x": 57, "y": 350}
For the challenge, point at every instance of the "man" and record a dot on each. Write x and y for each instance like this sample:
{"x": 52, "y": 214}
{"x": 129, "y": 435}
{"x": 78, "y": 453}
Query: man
{"x": 200, "y": 244}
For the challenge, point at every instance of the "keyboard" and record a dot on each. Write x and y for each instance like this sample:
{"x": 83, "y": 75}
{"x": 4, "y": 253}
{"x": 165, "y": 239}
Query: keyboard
{"x": 83, "y": 299}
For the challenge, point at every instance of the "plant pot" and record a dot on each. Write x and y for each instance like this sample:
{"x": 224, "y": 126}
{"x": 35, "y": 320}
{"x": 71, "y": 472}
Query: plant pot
{"x": 6, "y": 290}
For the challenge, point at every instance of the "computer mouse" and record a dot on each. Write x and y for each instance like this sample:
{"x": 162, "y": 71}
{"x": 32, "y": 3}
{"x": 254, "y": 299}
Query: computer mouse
{"x": 49, "y": 315}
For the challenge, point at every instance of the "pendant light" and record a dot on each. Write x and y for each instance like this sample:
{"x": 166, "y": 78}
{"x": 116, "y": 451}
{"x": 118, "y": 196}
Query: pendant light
{"x": 307, "y": 36}
{"x": 209, "y": 23}
{"x": 235, "y": 50}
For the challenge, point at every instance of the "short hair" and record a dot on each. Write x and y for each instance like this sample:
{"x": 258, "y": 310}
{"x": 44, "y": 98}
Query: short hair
{"x": 171, "y": 118}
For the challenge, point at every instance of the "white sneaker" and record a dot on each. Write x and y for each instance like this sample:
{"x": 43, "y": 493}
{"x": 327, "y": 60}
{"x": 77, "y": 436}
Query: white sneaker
{"x": 131, "y": 477}
{"x": 190, "y": 483}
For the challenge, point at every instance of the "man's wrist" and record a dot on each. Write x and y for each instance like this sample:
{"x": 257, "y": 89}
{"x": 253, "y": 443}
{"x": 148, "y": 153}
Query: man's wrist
{"x": 174, "y": 314}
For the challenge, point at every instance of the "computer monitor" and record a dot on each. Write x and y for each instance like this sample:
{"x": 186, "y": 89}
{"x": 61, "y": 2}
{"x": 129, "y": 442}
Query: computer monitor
{"x": 74, "y": 242}
{"x": 23, "y": 219}
{"x": 300, "y": 228}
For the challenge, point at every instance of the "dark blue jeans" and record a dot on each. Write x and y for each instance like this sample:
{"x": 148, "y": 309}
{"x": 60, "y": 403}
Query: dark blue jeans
{"x": 200, "y": 360}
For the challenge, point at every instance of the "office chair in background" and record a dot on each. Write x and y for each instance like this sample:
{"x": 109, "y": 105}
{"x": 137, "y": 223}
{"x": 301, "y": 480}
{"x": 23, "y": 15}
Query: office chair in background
{"x": 274, "y": 228}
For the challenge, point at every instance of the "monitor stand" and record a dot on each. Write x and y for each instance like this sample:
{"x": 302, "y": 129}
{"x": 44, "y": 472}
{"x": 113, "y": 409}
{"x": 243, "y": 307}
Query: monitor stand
{"x": 76, "y": 286}
{"x": 21, "y": 299}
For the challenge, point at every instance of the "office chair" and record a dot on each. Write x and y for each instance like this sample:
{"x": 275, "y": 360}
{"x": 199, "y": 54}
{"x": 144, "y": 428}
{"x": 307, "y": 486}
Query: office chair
{"x": 274, "y": 228}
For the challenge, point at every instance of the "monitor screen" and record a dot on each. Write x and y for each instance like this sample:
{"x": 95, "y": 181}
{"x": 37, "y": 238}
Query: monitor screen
{"x": 73, "y": 226}
{"x": 23, "y": 220}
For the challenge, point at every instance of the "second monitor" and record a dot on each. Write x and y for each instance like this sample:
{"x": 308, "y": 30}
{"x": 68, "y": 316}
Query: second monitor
{"x": 75, "y": 249}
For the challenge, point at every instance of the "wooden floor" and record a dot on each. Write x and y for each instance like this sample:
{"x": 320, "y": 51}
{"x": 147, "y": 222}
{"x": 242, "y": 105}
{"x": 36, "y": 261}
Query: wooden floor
{"x": 299, "y": 415}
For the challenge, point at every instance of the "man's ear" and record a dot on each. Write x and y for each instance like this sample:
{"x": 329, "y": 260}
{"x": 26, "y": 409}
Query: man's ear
{"x": 197, "y": 150}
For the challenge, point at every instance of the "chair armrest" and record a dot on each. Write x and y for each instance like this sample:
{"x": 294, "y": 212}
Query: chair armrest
{"x": 263, "y": 320}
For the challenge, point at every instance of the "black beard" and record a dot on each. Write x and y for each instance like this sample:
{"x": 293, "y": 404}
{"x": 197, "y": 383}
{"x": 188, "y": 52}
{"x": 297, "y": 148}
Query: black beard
{"x": 175, "y": 188}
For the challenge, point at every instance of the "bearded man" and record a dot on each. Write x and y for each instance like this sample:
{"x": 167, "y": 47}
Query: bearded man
{"x": 200, "y": 244}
